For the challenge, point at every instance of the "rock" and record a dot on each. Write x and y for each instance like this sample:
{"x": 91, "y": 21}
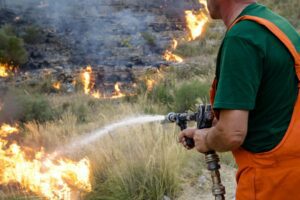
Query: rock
{"x": 202, "y": 180}
{"x": 70, "y": 88}
{"x": 166, "y": 198}
{"x": 59, "y": 68}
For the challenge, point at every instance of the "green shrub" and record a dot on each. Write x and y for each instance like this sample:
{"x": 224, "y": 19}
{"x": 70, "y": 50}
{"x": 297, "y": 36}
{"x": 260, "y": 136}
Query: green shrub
{"x": 190, "y": 49}
{"x": 81, "y": 111}
{"x": 162, "y": 93}
{"x": 35, "y": 108}
{"x": 19, "y": 105}
{"x": 33, "y": 35}
{"x": 11, "y": 47}
{"x": 189, "y": 94}
{"x": 149, "y": 38}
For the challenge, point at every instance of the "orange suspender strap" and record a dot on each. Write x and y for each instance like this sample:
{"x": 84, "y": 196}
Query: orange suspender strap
{"x": 279, "y": 34}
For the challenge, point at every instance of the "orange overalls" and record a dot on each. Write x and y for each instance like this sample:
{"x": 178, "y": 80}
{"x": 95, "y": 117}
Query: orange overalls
{"x": 272, "y": 175}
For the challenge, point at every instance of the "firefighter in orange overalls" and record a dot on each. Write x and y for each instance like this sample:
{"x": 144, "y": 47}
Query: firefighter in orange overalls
{"x": 256, "y": 100}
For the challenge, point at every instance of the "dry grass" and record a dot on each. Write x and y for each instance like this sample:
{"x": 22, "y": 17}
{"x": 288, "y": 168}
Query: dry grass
{"x": 138, "y": 162}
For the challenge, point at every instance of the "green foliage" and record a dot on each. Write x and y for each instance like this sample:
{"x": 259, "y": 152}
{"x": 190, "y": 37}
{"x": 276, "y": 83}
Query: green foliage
{"x": 11, "y": 47}
{"x": 36, "y": 108}
{"x": 81, "y": 111}
{"x": 25, "y": 107}
{"x": 33, "y": 35}
{"x": 162, "y": 93}
{"x": 126, "y": 42}
{"x": 149, "y": 38}
{"x": 179, "y": 98}
{"x": 189, "y": 94}
{"x": 190, "y": 49}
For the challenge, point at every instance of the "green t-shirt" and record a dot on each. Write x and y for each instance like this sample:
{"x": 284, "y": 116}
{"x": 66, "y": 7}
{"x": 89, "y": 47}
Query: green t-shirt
{"x": 255, "y": 72}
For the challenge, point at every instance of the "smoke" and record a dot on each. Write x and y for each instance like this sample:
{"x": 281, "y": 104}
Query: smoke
{"x": 107, "y": 32}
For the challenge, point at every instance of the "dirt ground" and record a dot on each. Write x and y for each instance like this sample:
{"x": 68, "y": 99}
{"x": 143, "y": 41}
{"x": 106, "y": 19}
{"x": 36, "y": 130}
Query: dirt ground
{"x": 202, "y": 190}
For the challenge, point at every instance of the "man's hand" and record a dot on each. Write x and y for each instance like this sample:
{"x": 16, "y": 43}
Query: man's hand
{"x": 227, "y": 134}
{"x": 199, "y": 136}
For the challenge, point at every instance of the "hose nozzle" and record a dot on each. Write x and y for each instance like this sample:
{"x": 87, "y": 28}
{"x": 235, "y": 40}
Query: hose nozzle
{"x": 171, "y": 117}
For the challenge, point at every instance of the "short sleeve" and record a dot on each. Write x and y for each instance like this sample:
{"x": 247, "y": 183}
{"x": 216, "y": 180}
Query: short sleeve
{"x": 240, "y": 74}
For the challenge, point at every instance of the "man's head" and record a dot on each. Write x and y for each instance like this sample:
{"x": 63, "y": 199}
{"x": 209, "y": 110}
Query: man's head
{"x": 219, "y": 8}
{"x": 214, "y": 8}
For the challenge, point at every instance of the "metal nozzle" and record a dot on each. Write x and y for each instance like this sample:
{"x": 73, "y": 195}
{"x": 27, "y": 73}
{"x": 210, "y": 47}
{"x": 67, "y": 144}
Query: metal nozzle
{"x": 171, "y": 117}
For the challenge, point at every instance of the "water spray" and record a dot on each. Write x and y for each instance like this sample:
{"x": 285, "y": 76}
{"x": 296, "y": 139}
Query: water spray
{"x": 99, "y": 133}
{"x": 204, "y": 118}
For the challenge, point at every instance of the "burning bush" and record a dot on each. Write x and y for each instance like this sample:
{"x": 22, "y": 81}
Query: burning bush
{"x": 11, "y": 47}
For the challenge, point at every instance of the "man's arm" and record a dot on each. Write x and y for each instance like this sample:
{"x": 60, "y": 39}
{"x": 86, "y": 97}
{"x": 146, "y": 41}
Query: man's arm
{"x": 228, "y": 134}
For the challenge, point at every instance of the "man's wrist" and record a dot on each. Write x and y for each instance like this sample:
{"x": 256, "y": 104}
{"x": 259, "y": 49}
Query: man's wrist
{"x": 206, "y": 142}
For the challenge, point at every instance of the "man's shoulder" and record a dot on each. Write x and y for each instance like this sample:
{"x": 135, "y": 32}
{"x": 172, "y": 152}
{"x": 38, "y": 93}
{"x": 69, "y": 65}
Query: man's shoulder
{"x": 247, "y": 29}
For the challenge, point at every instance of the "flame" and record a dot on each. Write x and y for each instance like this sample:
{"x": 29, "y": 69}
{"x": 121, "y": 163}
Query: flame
{"x": 196, "y": 21}
{"x": 96, "y": 94}
{"x": 152, "y": 80}
{"x": 7, "y": 130}
{"x": 86, "y": 80}
{"x": 117, "y": 92}
{"x": 5, "y": 69}
{"x": 175, "y": 44}
{"x": 56, "y": 85}
{"x": 169, "y": 56}
{"x": 150, "y": 84}
{"x": 38, "y": 172}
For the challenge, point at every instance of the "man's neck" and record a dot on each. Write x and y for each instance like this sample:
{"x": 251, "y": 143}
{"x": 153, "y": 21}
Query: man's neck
{"x": 232, "y": 11}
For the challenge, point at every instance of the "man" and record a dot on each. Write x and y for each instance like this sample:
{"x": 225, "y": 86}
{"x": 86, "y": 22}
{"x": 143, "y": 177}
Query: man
{"x": 256, "y": 100}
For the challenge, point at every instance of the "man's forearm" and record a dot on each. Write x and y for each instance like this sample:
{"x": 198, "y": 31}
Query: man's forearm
{"x": 217, "y": 139}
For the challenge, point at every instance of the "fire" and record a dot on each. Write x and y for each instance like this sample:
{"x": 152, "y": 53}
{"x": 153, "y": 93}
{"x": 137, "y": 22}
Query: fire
{"x": 169, "y": 56}
{"x": 86, "y": 79}
{"x": 196, "y": 20}
{"x": 117, "y": 92}
{"x": 56, "y": 85}
{"x": 153, "y": 79}
{"x": 150, "y": 84}
{"x": 88, "y": 82}
{"x": 7, "y": 130}
{"x": 38, "y": 172}
{"x": 5, "y": 70}
{"x": 175, "y": 44}
{"x": 96, "y": 94}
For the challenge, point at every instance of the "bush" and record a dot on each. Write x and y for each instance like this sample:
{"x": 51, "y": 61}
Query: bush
{"x": 23, "y": 107}
{"x": 190, "y": 49}
{"x": 33, "y": 35}
{"x": 180, "y": 98}
{"x": 81, "y": 111}
{"x": 189, "y": 94}
{"x": 149, "y": 38}
{"x": 11, "y": 47}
